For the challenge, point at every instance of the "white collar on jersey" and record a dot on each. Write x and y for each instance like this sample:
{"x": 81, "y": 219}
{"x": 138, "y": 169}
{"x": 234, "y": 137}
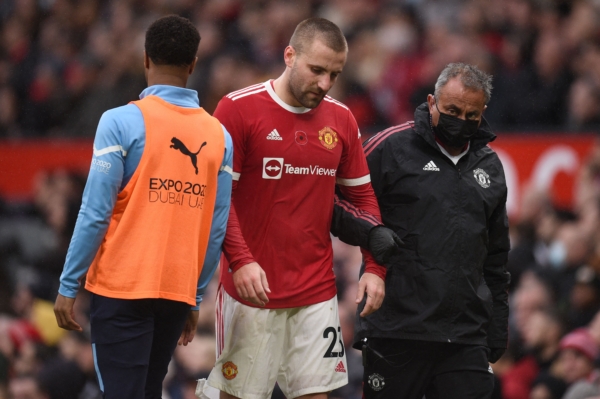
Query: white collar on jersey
{"x": 275, "y": 97}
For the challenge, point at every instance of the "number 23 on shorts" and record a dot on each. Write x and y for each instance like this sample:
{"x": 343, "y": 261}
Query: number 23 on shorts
{"x": 327, "y": 335}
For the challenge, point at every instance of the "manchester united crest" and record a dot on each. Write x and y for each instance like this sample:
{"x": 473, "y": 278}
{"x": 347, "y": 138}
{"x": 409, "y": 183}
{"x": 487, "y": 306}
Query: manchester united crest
{"x": 482, "y": 178}
{"x": 376, "y": 382}
{"x": 229, "y": 370}
{"x": 328, "y": 137}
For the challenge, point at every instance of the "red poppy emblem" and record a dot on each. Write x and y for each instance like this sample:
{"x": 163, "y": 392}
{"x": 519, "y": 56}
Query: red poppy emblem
{"x": 301, "y": 138}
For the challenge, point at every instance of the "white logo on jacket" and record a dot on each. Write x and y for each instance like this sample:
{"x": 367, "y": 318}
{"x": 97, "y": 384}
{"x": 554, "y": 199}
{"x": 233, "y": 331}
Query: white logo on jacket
{"x": 376, "y": 382}
{"x": 431, "y": 167}
{"x": 100, "y": 165}
{"x": 482, "y": 178}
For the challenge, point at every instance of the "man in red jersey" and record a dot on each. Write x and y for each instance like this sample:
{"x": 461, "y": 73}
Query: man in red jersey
{"x": 277, "y": 317}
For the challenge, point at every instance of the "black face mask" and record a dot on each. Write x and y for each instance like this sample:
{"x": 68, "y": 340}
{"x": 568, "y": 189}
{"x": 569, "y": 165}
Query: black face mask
{"x": 453, "y": 131}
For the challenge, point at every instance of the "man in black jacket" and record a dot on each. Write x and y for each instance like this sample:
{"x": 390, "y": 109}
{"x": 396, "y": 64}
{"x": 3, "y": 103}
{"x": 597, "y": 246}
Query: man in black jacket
{"x": 443, "y": 191}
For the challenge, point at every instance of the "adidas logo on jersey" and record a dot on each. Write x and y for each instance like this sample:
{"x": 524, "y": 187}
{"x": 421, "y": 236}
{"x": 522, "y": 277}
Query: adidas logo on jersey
{"x": 340, "y": 368}
{"x": 431, "y": 167}
{"x": 274, "y": 135}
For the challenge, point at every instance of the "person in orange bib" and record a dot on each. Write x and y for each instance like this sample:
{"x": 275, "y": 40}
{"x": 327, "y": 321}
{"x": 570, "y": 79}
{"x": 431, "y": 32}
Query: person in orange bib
{"x": 152, "y": 220}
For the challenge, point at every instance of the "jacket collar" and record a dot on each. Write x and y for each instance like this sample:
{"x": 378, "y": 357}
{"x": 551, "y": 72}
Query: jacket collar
{"x": 483, "y": 136}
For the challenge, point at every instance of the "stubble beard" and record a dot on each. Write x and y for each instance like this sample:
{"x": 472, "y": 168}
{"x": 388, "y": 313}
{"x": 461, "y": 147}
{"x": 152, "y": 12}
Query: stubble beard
{"x": 295, "y": 86}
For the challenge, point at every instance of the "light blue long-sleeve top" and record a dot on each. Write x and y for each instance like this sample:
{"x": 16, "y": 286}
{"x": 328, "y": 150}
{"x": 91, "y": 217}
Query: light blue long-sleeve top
{"x": 118, "y": 148}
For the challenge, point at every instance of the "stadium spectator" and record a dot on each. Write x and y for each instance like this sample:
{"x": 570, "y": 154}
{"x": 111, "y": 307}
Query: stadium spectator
{"x": 547, "y": 386}
{"x": 541, "y": 335}
{"x": 578, "y": 351}
{"x": 26, "y": 387}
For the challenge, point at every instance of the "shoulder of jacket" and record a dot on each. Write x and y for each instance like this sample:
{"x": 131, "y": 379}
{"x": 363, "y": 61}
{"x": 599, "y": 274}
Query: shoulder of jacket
{"x": 123, "y": 111}
{"x": 488, "y": 151}
{"x": 389, "y": 135}
{"x": 490, "y": 158}
{"x": 121, "y": 118}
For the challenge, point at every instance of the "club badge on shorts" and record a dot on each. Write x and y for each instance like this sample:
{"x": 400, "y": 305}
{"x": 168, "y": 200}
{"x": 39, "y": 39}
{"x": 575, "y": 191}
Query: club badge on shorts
{"x": 376, "y": 382}
{"x": 229, "y": 370}
{"x": 482, "y": 178}
{"x": 328, "y": 137}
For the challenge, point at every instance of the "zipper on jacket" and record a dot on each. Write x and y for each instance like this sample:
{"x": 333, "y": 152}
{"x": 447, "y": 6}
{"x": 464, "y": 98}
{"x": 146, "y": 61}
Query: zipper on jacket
{"x": 451, "y": 309}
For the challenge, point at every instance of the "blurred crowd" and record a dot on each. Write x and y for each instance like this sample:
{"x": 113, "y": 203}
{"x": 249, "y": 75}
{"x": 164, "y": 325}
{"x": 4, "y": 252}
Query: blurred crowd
{"x": 554, "y": 324}
{"x": 64, "y": 62}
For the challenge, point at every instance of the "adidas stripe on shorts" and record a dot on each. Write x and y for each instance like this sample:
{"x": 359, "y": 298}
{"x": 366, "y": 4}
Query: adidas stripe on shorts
{"x": 299, "y": 348}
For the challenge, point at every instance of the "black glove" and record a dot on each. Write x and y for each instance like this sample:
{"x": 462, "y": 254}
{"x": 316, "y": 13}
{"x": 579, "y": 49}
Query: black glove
{"x": 383, "y": 243}
{"x": 495, "y": 354}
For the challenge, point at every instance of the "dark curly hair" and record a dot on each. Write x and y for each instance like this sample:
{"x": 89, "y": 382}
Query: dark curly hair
{"x": 172, "y": 40}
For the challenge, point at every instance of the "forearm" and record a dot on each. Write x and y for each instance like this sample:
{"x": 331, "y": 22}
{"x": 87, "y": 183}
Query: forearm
{"x": 234, "y": 245}
{"x": 497, "y": 277}
{"x": 217, "y": 234}
{"x": 350, "y": 224}
{"x": 363, "y": 197}
{"x": 219, "y": 221}
{"x": 90, "y": 229}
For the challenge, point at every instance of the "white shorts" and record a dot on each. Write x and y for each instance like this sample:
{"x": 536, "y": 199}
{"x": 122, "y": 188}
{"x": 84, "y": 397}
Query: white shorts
{"x": 300, "y": 348}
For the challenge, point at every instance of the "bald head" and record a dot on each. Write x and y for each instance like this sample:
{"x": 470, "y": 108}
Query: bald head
{"x": 312, "y": 29}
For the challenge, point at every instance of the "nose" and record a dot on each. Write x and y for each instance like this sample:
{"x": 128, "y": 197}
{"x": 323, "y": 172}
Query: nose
{"x": 325, "y": 83}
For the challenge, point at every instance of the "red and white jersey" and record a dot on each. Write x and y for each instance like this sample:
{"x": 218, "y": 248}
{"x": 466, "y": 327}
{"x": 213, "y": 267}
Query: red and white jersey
{"x": 287, "y": 161}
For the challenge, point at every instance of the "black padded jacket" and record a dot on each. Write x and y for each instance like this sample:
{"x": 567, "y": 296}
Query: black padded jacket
{"x": 450, "y": 282}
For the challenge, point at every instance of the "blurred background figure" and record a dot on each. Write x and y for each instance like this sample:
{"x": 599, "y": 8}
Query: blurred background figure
{"x": 546, "y": 386}
{"x": 578, "y": 351}
{"x": 576, "y": 364}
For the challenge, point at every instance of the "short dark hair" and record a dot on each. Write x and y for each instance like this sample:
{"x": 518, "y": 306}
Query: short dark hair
{"x": 172, "y": 40}
{"x": 320, "y": 28}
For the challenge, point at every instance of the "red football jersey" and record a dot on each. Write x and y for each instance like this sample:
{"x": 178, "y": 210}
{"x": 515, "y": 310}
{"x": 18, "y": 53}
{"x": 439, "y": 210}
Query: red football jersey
{"x": 286, "y": 162}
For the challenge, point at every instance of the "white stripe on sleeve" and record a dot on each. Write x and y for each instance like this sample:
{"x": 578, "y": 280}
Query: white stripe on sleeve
{"x": 227, "y": 169}
{"x": 108, "y": 150}
{"x": 353, "y": 182}
{"x": 247, "y": 94}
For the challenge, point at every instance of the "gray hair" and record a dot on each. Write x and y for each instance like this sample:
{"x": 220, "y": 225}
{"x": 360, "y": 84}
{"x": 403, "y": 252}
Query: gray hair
{"x": 471, "y": 77}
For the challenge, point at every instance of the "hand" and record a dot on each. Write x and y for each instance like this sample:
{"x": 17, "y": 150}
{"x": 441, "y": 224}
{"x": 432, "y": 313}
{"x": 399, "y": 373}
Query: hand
{"x": 189, "y": 329}
{"x": 383, "y": 243}
{"x": 495, "y": 354}
{"x": 63, "y": 310}
{"x": 375, "y": 288}
{"x": 251, "y": 284}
